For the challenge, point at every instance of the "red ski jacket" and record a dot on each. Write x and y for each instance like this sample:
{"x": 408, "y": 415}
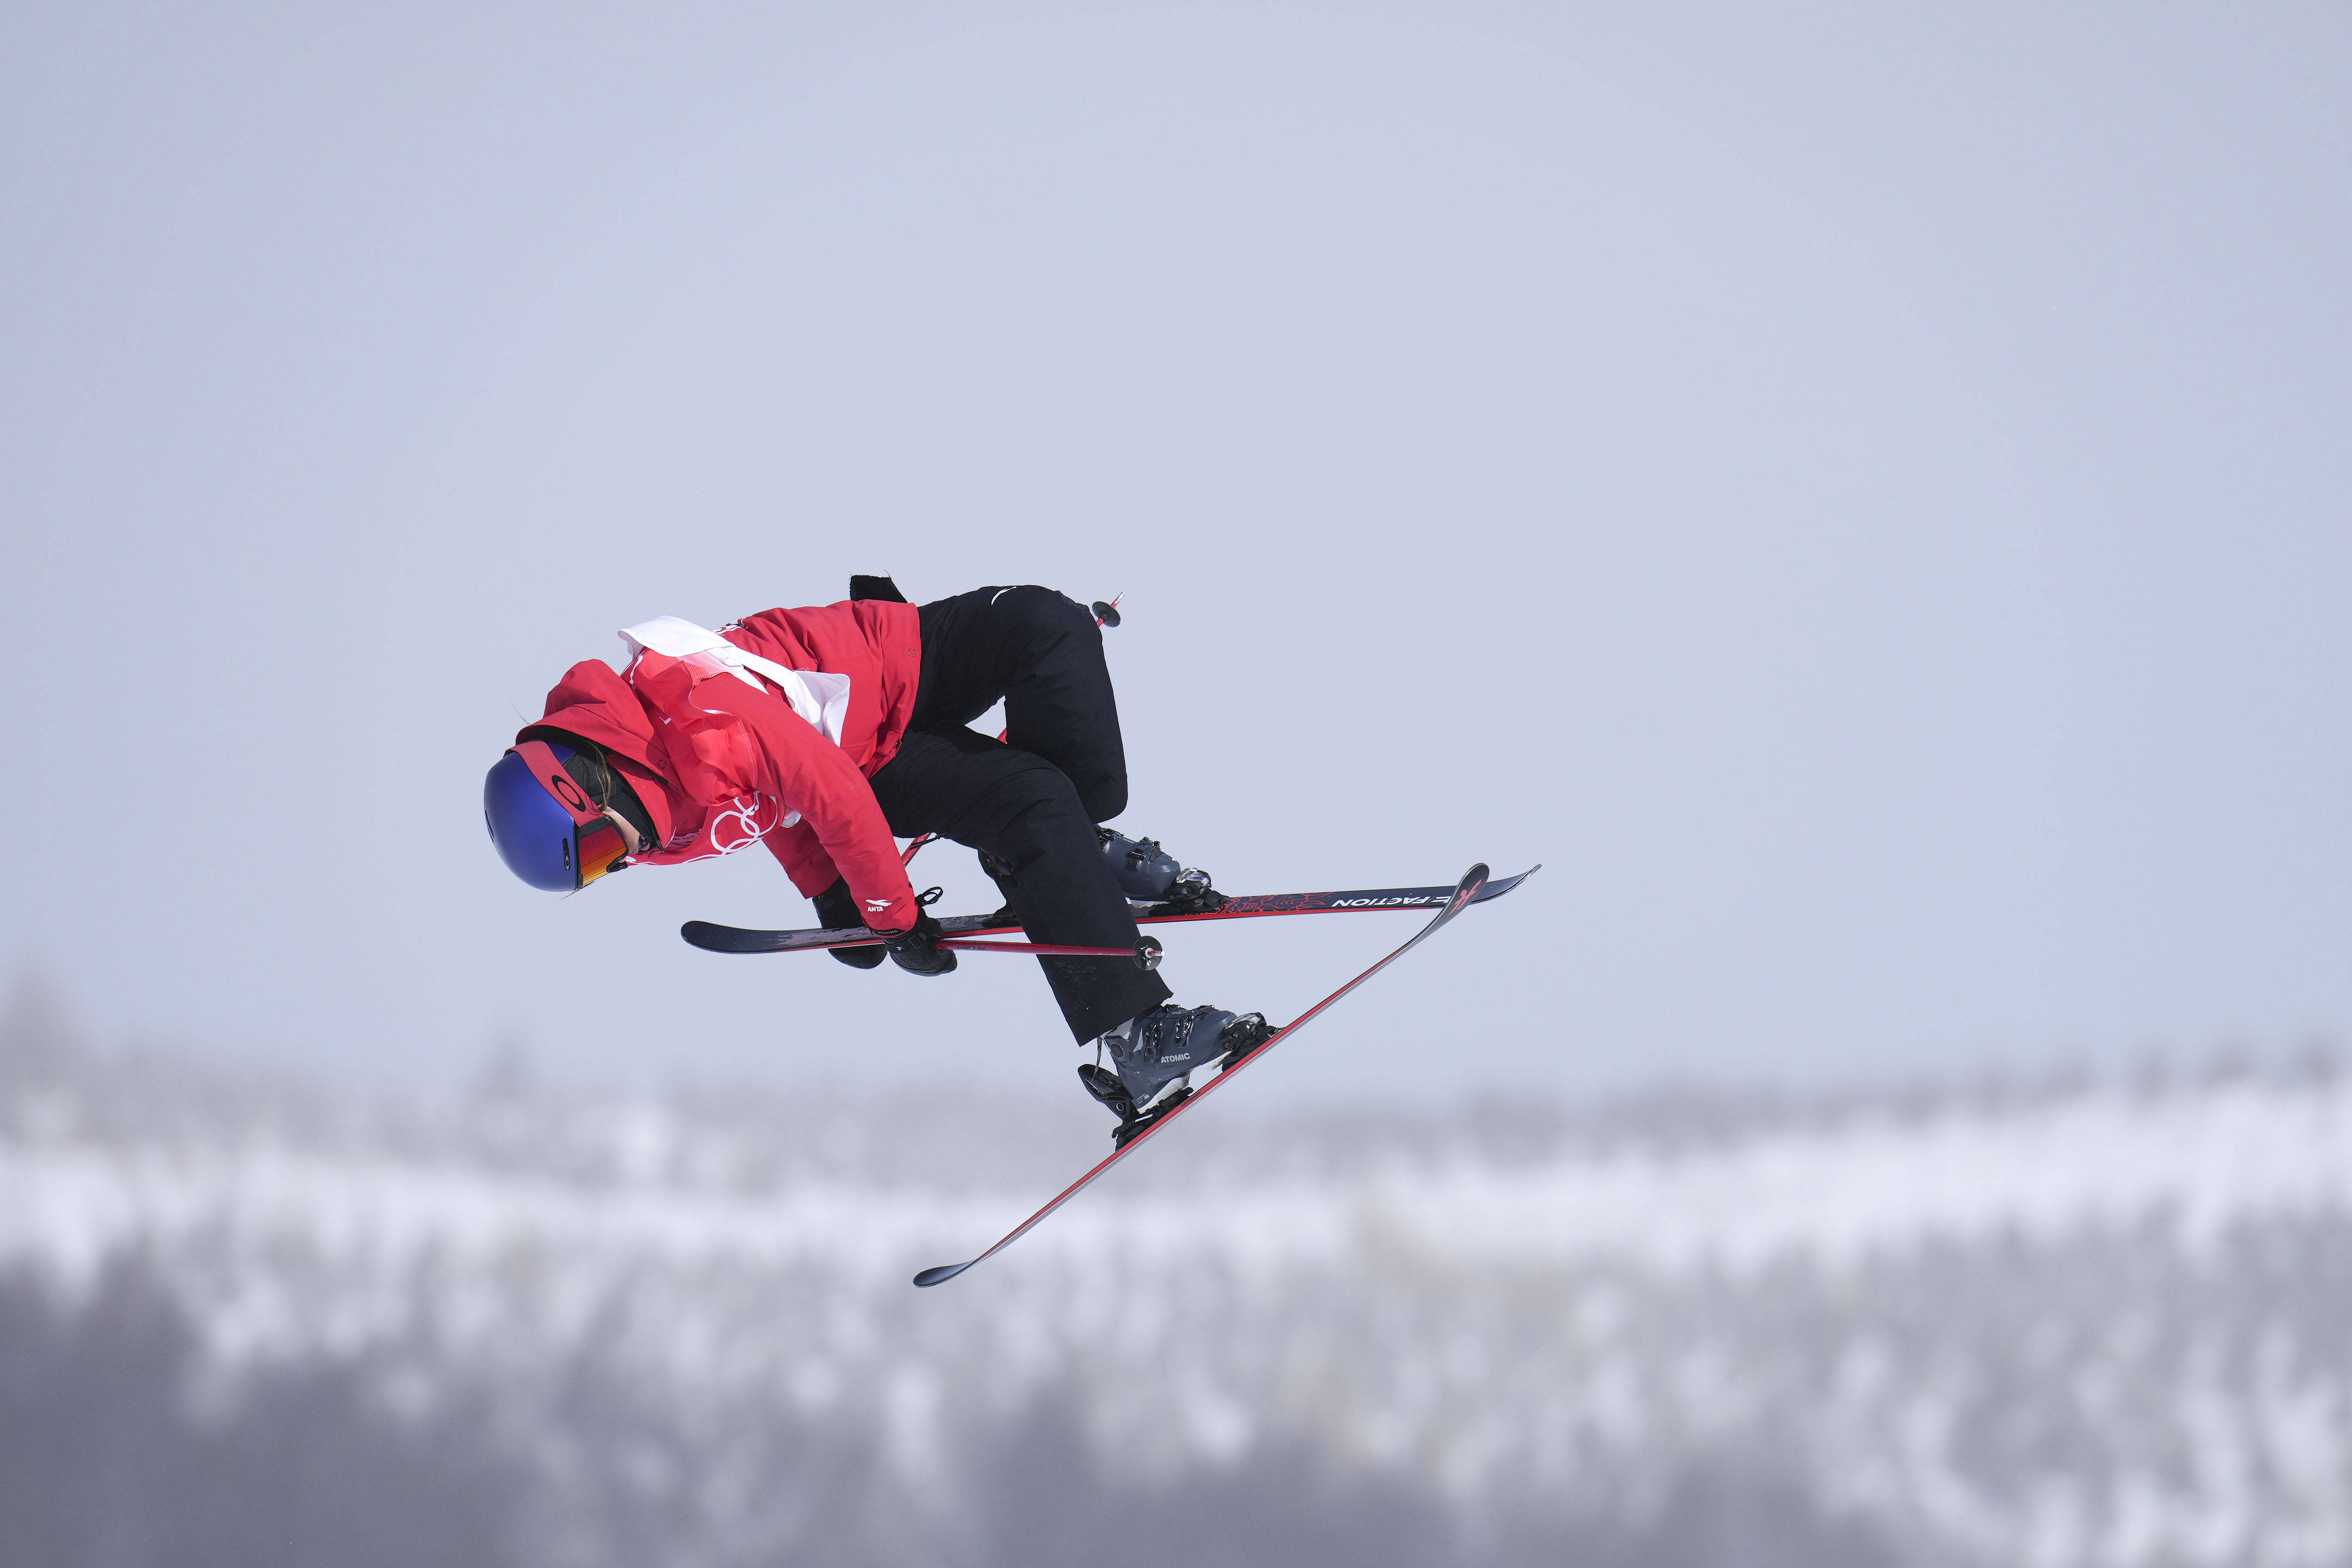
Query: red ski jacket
{"x": 721, "y": 762}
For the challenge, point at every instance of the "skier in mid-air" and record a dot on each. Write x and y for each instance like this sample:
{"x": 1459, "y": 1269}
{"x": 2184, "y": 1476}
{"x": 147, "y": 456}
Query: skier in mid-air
{"x": 822, "y": 732}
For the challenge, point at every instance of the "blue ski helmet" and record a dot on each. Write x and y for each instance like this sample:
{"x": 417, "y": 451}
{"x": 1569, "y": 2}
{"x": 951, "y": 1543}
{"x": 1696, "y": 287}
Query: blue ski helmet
{"x": 542, "y": 823}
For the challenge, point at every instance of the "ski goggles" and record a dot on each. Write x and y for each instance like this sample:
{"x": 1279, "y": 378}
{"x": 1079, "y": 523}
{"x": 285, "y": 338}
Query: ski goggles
{"x": 596, "y": 845}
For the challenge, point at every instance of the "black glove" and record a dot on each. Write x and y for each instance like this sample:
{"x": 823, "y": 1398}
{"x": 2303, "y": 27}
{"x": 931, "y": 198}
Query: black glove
{"x": 918, "y": 951}
{"x": 836, "y": 910}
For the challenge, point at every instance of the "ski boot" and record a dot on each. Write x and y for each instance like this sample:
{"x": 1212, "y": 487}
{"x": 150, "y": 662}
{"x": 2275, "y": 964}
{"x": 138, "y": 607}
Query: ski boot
{"x": 1154, "y": 1056}
{"x": 1150, "y": 876}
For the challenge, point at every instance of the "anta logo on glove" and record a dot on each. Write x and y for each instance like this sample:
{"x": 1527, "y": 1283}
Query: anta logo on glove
{"x": 1381, "y": 903}
{"x": 876, "y": 906}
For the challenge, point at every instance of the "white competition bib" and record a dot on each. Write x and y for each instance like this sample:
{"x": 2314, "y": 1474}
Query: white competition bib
{"x": 820, "y": 698}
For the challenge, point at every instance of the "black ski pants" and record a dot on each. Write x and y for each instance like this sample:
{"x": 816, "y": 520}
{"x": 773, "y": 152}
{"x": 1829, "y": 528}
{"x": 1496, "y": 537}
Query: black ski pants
{"x": 1030, "y": 801}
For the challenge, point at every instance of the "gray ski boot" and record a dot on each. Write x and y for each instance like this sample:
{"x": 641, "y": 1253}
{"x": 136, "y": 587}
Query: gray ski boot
{"x": 1154, "y": 1056}
{"x": 1149, "y": 875}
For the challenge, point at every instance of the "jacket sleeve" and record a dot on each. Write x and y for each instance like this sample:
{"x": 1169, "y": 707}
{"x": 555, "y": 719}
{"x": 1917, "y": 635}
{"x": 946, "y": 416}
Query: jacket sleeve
{"x": 750, "y": 741}
{"x": 801, "y": 855}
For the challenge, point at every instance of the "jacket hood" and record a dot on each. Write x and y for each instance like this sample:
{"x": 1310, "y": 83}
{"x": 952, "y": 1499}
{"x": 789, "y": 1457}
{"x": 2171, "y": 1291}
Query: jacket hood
{"x": 598, "y": 706}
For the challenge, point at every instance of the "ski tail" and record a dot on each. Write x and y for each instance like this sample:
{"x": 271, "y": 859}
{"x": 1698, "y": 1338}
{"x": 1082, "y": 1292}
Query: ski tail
{"x": 1465, "y": 893}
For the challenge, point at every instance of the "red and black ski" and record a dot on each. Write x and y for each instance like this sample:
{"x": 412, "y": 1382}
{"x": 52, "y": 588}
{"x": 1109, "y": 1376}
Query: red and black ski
{"x": 736, "y": 938}
{"x": 1474, "y": 888}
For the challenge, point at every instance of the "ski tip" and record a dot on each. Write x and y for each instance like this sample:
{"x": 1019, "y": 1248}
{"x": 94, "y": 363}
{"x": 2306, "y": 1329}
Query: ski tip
{"x": 942, "y": 1274}
{"x": 696, "y": 933}
{"x": 1496, "y": 889}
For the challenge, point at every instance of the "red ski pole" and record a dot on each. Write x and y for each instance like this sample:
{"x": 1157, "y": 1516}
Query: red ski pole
{"x": 1146, "y": 953}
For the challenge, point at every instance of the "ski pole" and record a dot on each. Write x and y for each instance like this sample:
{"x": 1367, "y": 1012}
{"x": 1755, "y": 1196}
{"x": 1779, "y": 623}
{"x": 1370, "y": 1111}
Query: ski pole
{"x": 1146, "y": 953}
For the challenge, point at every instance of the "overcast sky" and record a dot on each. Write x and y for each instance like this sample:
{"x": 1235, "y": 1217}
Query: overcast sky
{"x": 1861, "y": 493}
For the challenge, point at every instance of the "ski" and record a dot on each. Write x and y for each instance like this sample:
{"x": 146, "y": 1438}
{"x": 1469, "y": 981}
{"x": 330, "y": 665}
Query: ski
{"x": 714, "y": 938}
{"x": 1474, "y": 888}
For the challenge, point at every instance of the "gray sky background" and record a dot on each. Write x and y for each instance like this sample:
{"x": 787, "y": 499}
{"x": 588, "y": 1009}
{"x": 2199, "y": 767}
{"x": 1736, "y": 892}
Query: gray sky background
{"x": 1860, "y": 493}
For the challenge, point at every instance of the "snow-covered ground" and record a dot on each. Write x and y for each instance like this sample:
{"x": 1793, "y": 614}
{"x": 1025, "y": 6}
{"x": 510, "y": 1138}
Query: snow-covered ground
{"x": 2091, "y": 1326}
